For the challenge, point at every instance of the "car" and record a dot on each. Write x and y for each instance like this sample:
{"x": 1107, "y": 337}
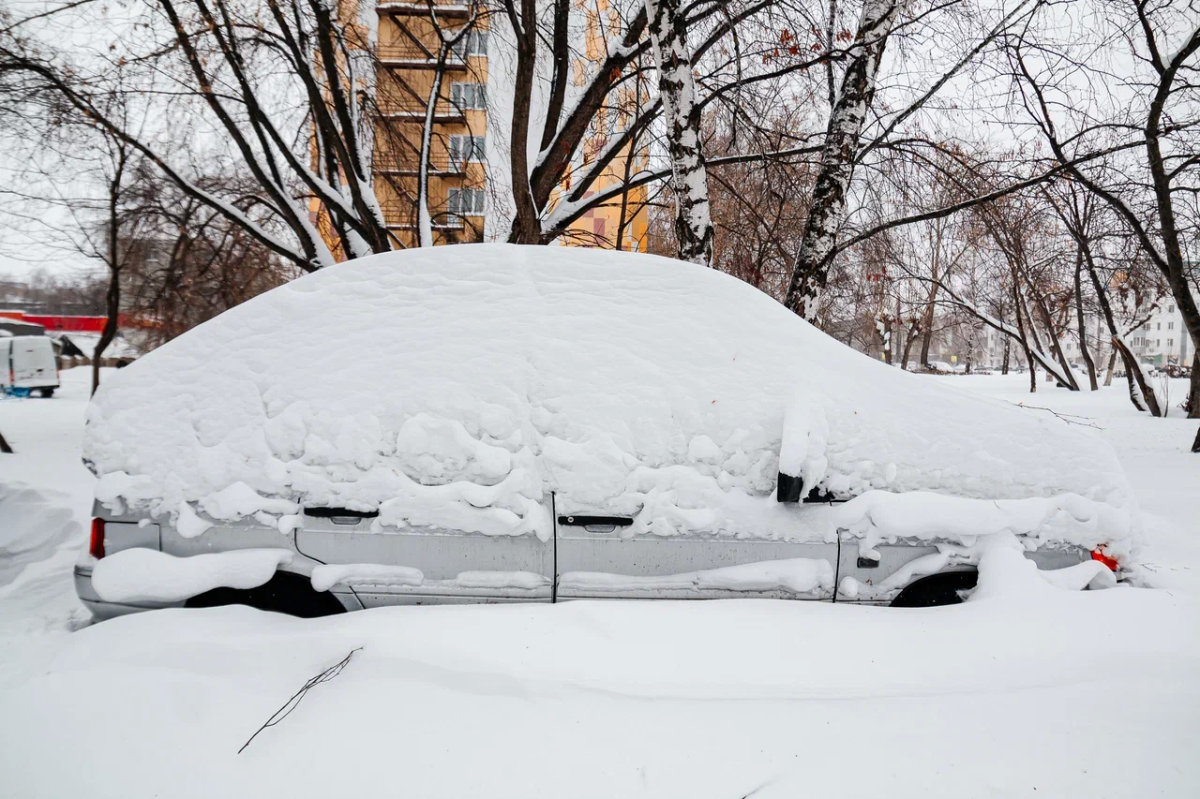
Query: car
{"x": 494, "y": 423}
{"x": 27, "y": 364}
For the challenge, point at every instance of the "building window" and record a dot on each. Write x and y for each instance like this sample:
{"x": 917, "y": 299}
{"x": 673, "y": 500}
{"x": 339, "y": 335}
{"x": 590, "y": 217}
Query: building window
{"x": 1170, "y": 309}
{"x": 1170, "y": 343}
{"x": 1159, "y": 326}
{"x": 468, "y": 95}
{"x": 467, "y": 149}
{"x": 465, "y": 202}
{"x": 474, "y": 43}
{"x": 1170, "y": 325}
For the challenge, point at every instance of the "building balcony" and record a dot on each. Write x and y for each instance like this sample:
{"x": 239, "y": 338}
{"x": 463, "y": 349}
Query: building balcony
{"x": 402, "y": 215}
{"x": 440, "y": 164}
{"x": 407, "y": 8}
{"x": 412, "y": 110}
{"x": 409, "y": 55}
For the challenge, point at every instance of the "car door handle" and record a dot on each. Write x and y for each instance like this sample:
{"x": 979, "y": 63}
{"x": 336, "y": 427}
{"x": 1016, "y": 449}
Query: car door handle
{"x": 595, "y": 521}
{"x": 341, "y": 515}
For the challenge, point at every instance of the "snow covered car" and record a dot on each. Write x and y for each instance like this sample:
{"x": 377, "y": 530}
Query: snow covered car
{"x": 490, "y": 423}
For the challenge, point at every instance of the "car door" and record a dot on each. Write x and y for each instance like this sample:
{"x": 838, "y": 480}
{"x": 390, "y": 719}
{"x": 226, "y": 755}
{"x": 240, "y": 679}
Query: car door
{"x": 32, "y": 361}
{"x": 599, "y": 558}
{"x": 422, "y": 565}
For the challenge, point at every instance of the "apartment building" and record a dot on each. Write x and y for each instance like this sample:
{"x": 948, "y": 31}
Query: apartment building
{"x": 1163, "y": 340}
{"x": 468, "y": 156}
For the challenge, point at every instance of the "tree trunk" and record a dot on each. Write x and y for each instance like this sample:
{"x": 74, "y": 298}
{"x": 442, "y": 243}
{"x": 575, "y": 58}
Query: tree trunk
{"x": 1083, "y": 346}
{"x": 1141, "y": 393}
{"x": 526, "y": 227}
{"x": 1112, "y": 365}
{"x": 1068, "y": 377}
{"x": 689, "y": 179}
{"x": 1172, "y": 264}
{"x": 927, "y": 320}
{"x": 1193, "y": 401}
{"x": 112, "y": 303}
{"x": 1004, "y": 363}
{"x": 908, "y": 342}
{"x": 828, "y": 209}
{"x": 112, "y": 299}
{"x": 1025, "y": 344}
{"x": 424, "y": 219}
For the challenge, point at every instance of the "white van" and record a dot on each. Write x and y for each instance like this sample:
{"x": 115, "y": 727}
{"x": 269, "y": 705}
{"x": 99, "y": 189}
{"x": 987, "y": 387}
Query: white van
{"x": 27, "y": 364}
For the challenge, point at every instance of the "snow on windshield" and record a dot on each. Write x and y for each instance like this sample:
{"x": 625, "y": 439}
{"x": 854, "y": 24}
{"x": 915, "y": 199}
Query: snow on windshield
{"x": 460, "y": 386}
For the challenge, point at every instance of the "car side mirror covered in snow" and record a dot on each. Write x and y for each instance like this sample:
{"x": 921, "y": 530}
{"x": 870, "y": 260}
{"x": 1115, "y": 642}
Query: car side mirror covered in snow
{"x": 788, "y": 488}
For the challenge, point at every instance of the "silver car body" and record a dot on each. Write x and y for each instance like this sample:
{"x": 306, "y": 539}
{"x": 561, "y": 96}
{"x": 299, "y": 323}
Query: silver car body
{"x": 444, "y": 556}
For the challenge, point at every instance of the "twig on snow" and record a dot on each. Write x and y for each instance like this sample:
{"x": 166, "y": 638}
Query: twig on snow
{"x": 1069, "y": 418}
{"x": 292, "y": 703}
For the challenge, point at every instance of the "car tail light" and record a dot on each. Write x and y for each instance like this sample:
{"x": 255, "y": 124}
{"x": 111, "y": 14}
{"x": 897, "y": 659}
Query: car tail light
{"x": 96, "y": 545}
{"x": 1111, "y": 563}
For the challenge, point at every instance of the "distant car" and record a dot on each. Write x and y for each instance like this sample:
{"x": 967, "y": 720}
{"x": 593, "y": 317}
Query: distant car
{"x": 945, "y": 366}
{"x": 489, "y": 423}
{"x": 27, "y": 364}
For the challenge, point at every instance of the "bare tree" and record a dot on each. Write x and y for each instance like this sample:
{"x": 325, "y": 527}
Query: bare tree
{"x": 1162, "y": 122}
{"x": 242, "y": 66}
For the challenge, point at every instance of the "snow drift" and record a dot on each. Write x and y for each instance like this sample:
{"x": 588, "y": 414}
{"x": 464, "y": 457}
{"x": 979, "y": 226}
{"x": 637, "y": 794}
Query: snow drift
{"x": 460, "y": 386}
{"x": 33, "y": 523}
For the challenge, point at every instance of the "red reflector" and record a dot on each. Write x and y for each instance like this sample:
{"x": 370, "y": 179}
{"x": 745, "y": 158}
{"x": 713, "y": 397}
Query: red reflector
{"x": 1099, "y": 555}
{"x": 96, "y": 546}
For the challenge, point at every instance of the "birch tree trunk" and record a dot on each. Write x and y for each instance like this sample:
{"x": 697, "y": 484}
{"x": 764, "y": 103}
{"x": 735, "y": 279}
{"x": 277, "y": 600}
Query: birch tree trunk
{"x": 828, "y": 209}
{"x": 424, "y": 219}
{"x": 689, "y": 179}
{"x": 446, "y": 45}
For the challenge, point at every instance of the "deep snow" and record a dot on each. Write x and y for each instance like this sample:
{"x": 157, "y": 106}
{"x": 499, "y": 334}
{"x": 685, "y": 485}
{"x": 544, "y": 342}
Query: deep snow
{"x": 1090, "y": 694}
{"x": 460, "y": 392}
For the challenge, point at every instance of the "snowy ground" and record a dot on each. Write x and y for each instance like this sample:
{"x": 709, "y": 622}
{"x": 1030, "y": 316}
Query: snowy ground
{"x": 1090, "y": 694}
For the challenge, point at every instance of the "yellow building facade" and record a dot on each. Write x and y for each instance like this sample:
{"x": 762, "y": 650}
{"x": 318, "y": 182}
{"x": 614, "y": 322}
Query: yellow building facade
{"x": 407, "y": 52}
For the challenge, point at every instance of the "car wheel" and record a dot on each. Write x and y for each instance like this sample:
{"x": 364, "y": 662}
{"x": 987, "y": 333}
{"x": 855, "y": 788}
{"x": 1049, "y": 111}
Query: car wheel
{"x": 47, "y": 392}
{"x": 284, "y": 593}
{"x": 946, "y": 588}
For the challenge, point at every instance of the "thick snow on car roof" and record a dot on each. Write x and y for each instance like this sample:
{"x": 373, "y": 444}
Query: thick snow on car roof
{"x": 460, "y": 386}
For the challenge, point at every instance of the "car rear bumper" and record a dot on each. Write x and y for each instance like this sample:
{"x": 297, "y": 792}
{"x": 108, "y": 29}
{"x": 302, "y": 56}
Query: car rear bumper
{"x": 102, "y": 609}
